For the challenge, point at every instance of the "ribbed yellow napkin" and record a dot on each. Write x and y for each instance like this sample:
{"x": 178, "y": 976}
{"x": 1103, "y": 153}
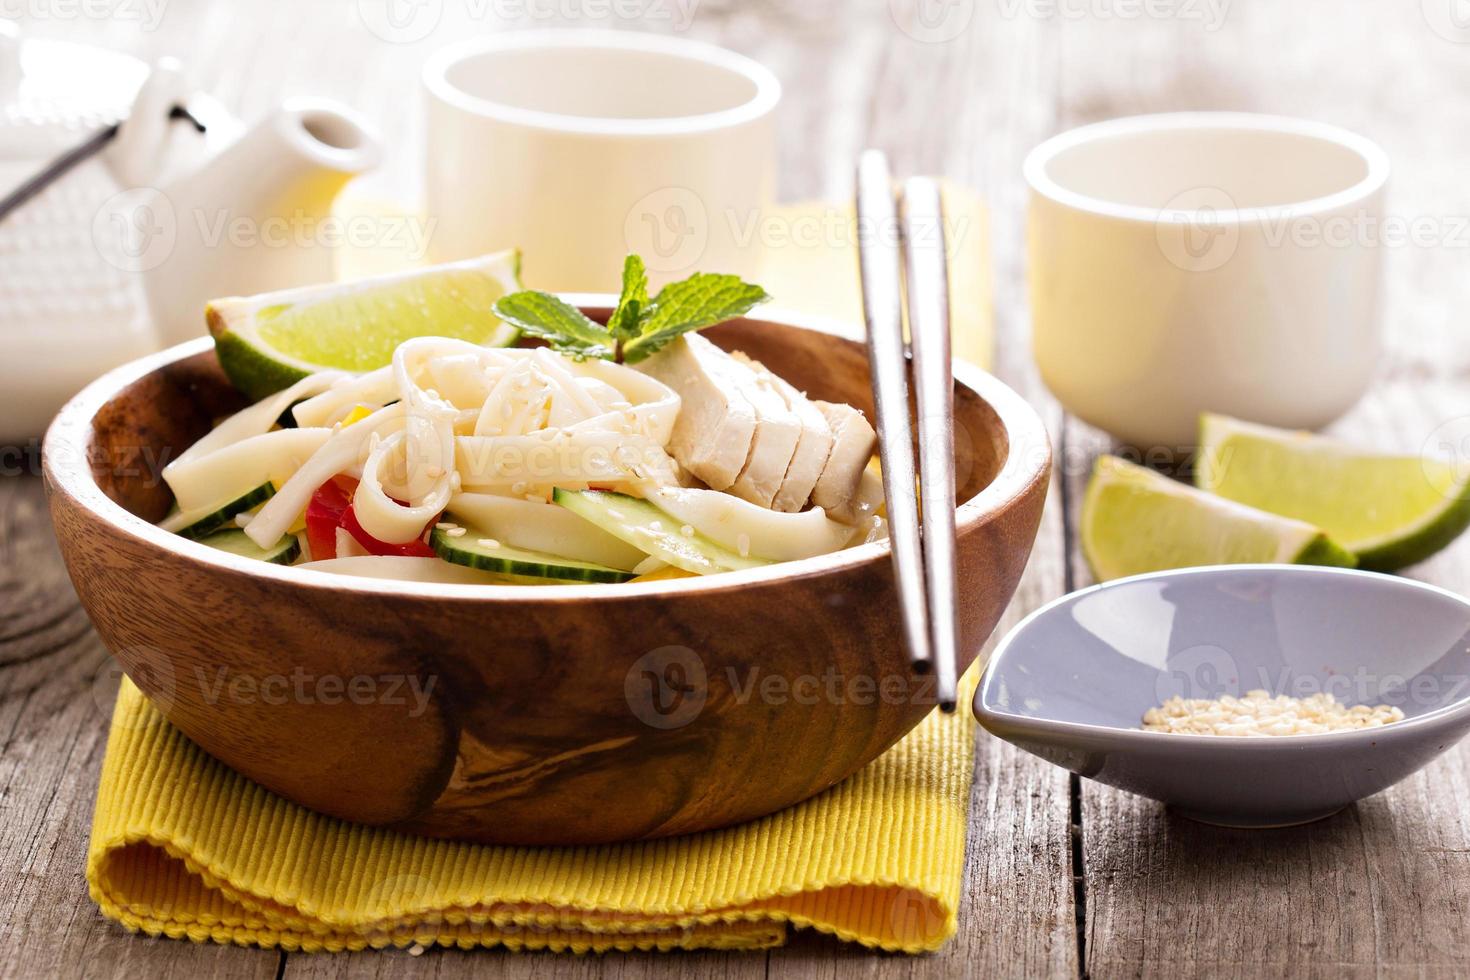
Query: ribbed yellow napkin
{"x": 183, "y": 846}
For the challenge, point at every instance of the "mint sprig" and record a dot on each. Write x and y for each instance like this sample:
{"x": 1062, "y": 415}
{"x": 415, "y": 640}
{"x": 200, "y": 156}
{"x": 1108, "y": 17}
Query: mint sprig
{"x": 557, "y": 322}
{"x": 700, "y": 301}
{"x": 639, "y": 327}
{"x": 632, "y": 302}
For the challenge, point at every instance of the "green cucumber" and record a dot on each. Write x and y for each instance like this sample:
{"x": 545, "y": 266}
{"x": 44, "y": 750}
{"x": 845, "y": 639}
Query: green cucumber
{"x": 204, "y": 522}
{"x": 237, "y": 542}
{"x": 649, "y": 529}
{"x": 477, "y": 549}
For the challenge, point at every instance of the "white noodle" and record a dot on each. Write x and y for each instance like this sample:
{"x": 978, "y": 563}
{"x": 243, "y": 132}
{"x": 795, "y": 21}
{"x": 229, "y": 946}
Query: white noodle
{"x": 505, "y": 420}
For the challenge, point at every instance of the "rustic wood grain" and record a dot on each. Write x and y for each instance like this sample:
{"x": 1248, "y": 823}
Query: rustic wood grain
{"x": 56, "y": 688}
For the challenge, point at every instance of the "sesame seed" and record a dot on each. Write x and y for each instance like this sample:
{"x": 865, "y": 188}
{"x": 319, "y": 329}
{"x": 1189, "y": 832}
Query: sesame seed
{"x": 455, "y": 532}
{"x": 1260, "y": 714}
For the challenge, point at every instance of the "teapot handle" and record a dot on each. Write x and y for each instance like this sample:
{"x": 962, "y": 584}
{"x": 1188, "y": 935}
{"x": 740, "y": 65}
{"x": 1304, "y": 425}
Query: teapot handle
{"x": 149, "y": 144}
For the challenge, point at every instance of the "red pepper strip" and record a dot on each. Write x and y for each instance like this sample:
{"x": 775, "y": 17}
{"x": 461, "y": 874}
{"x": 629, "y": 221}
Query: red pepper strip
{"x": 331, "y": 508}
{"x": 410, "y": 549}
{"x": 324, "y": 515}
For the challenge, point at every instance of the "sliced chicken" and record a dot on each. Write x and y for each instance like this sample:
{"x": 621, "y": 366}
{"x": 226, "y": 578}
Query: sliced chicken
{"x": 777, "y": 432}
{"x": 745, "y": 430}
{"x": 716, "y": 426}
{"x": 853, "y": 442}
{"x": 862, "y": 506}
{"x": 812, "y": 448}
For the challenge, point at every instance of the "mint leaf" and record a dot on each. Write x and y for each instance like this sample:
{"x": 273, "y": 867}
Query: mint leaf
{"x": 632, "y": 302}
{"x": 700, "y": 301}
{"x": 560, "y": 324}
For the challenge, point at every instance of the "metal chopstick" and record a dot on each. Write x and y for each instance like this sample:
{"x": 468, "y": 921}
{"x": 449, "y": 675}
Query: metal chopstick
{"x": 881, "y": 266}
{"x": 929, "y": 331}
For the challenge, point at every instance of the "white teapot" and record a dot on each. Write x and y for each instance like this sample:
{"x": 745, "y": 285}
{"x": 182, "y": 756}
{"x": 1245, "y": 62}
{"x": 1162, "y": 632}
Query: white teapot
{"x": 117, "y": 257}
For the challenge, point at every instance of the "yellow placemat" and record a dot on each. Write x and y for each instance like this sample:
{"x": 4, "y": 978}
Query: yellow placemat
{"x": 182, "y": 846}
{"x": 808, "y": 262}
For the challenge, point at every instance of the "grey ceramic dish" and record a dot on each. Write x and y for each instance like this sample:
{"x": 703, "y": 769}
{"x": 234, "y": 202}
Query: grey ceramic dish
{"x": 1071, "y": 683}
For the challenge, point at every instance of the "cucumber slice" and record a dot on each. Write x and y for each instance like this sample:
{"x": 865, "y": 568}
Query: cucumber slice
{"x": 204, "y": 522}
{"x": 644, "y": 526}
{"x": 237, "y": 542}
{"x": 477, "y": 549}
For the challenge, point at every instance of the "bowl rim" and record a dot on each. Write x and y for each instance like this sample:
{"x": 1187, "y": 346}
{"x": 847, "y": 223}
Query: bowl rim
{"x": 67, "y": 471}
{"x": 765, "y": 93}
{"x": 1035, "y": 167}
{"x": 1005, "y": 724}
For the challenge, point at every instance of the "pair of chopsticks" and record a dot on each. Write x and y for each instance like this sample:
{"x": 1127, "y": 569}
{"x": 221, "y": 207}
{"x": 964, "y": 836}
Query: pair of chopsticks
{"x": 921, "y": 527}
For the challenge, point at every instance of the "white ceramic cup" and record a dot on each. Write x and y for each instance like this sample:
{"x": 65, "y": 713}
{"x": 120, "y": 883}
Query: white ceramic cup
{"x": 1202, "y": 261}
{"x": 581, "y": 146}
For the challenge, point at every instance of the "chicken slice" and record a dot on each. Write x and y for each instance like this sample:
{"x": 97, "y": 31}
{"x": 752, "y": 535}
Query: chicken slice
{"x": 853, "y": 442}
{"x": 717, "y": 423}
{"x": 777, "y": 432}
{"x": 862, "y": 506}
{"x": 812, "y": 448}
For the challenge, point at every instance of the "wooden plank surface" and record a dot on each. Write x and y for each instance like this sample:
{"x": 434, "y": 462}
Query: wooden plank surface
{"x": 56, "y": 685}
{"x": 1378, "y": 890}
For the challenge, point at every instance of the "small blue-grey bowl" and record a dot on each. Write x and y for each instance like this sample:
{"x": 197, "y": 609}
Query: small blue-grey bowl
{"x": 1072, "y": 681}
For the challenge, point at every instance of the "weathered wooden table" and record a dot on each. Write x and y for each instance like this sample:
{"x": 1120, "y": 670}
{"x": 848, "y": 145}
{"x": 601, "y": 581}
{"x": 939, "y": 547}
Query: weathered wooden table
{"x": 1063, "y": 877}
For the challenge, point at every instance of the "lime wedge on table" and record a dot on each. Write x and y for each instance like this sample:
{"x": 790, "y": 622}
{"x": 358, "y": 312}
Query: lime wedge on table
{"x": 269, "y": 342}
{"x": 1390, "y": 511}
{"x": 1135, "y": 520}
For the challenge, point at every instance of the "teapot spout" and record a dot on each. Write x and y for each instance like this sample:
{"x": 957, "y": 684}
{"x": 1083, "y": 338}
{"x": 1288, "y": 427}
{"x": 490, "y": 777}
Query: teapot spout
{"x": 258, "y": 216}
{"x": 290, "y": 165}
{"x": 314, "y": 146}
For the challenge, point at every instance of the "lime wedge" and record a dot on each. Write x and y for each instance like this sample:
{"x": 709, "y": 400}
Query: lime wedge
{"x": 268, "y": 342}
{"x": 1135, "y": 520}
{"x": 1390, "y": 511}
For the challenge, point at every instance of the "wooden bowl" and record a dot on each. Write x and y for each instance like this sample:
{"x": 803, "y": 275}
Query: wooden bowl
{"x": 545, "y": 715}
